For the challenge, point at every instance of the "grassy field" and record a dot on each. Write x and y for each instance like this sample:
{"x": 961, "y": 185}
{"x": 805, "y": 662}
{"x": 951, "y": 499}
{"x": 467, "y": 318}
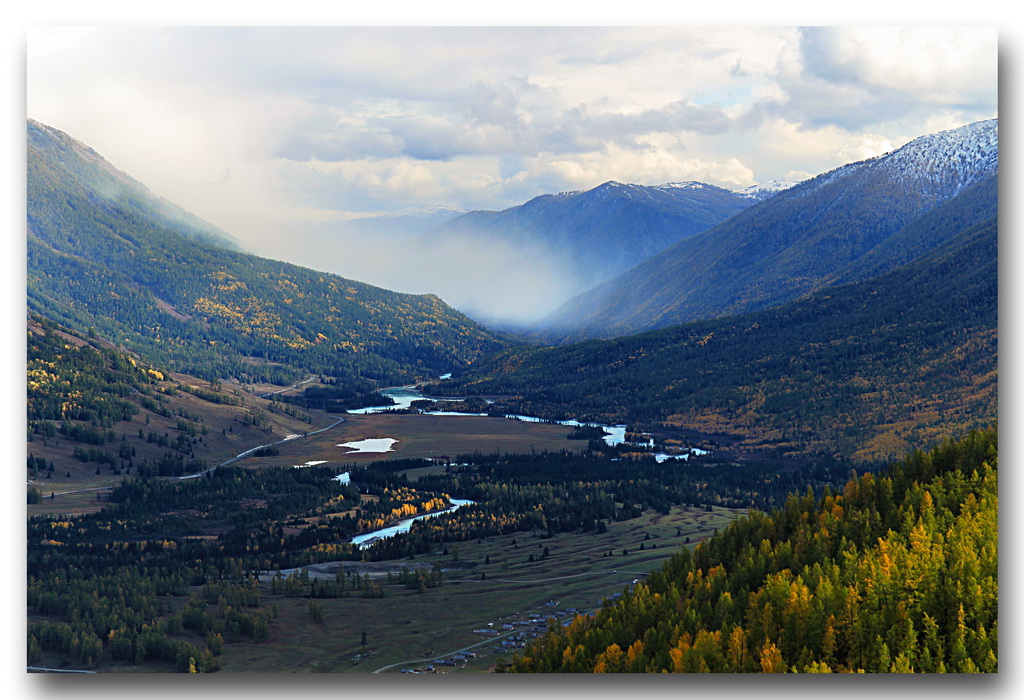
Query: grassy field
{"x": 421, "y": 436}
{"x": 486, "y": 581}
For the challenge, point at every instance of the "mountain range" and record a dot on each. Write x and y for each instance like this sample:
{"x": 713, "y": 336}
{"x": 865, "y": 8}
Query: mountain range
{"x": 779, "y": 323}
{"x": 509, "y": 268}
{"x": 845, "y": 225}
{"x": 601, "y": 232}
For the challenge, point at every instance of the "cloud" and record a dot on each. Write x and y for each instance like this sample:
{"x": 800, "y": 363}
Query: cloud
{"x": 859, "y": 78}
{"x": 262, "y": 128}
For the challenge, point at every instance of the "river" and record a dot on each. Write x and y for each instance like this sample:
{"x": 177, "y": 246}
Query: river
{"x": 368, "y": 538}
{"x": 403, "y": 396}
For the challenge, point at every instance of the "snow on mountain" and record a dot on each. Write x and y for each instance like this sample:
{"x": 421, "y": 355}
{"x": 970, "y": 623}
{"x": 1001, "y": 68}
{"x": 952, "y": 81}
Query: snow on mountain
{"x": 689, "y": 185}
{"x": 861, "y": 218}
{"x": 765, "y": 190}
{"x": 427, "y": 211}
{"x": 948, "y": 160}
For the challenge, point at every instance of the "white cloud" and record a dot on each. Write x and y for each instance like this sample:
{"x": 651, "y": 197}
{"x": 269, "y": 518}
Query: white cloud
{"x": 257, "y": 128}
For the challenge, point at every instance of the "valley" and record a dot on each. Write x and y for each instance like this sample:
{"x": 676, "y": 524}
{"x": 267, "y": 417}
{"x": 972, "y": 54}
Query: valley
{"x": 411, "y": 629}
{"x": 549, "y": 575}
{"x": 237, "y": 464}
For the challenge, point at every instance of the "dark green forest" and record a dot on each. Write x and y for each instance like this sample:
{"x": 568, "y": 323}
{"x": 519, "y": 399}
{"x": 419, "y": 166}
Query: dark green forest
{"x": 148, "y": 329}
{"x": 866, "y": 370}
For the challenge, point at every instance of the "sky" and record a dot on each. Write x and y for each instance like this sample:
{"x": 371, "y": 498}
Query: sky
{"x": 269, "y": 131}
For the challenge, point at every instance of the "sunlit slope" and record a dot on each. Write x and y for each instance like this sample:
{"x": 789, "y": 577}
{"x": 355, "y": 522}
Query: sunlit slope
{"x": 103, "y": 261}
{"x": 898, "y": 573}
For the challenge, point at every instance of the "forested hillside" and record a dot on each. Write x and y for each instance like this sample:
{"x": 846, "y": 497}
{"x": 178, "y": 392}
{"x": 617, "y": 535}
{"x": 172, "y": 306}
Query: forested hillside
{"x": 846, "y": 225}
{"x": 868, "y": 370}
{"x": 108, "y": 263}
{"x": 898, "y": 573}
{"x": 96, "y": 414}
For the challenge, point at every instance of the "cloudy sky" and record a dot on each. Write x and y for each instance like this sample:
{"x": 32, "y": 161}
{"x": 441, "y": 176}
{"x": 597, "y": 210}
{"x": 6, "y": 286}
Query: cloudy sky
{"x": 261, "y": 130}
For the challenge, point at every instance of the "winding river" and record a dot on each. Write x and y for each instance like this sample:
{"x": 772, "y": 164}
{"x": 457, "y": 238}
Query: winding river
{"x": 403, "y": 396}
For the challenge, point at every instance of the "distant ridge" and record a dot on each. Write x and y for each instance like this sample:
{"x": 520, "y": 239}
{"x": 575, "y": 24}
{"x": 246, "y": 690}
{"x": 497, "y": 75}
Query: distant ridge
{"x": 591, "y": 235}
{"x": 86, "y": 167}
{"x": 866, "y": 370}
{"x": 843, "y": 225}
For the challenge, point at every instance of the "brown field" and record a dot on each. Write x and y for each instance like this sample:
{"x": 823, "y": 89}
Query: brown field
{"x": 421, "y": 436}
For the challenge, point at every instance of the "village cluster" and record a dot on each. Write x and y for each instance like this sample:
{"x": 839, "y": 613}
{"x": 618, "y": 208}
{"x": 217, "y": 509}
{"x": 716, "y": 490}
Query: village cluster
{"x": 509, "y": 636}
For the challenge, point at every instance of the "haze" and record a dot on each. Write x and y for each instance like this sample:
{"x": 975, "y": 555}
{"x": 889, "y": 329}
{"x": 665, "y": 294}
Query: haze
{"x": 279, "y": 135}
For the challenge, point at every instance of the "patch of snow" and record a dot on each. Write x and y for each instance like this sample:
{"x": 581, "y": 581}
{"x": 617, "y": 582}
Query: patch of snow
{"x": 764, "y": 190}
{"x": 949, "y": 160}
{"x": 688, "y": 185}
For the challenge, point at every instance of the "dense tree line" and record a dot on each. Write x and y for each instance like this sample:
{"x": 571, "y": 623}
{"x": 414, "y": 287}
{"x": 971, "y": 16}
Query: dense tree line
{"x": 111, "y": 571}
{"x": 69, "y": 379}
{"x": 556, "y": 492}
{"x": 338, "y": 399}
{"x": 896, "y": 572}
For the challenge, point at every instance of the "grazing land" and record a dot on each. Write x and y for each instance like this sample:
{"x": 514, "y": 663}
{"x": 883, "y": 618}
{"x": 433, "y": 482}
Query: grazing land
{"x": 485, "y": 581}
{"x": 422, "y": 436}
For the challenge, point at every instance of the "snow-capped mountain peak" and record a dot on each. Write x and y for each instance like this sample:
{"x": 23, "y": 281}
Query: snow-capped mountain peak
{"x": 688, "y": 185}
{"x": 765, "y": 190}
{"x": 948, "y": 160}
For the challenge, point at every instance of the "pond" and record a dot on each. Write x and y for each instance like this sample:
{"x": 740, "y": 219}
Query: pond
{"x": 369, "y": 446}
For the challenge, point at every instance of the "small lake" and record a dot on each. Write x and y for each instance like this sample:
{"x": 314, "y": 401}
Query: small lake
{"x": 368, "y": 538}
{"x": 369, "y": 446}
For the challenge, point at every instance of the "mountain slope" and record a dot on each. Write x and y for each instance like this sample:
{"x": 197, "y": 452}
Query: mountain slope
{"x": 96, "y": 413}
{"x": 840, "y": 226}
{"x": 119, "y": 191}
{"x": 867, "y": 370}
{"x": 118, "y": 265}
{"x": 598, "y": 233}
{"x": 896, "y": 574}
